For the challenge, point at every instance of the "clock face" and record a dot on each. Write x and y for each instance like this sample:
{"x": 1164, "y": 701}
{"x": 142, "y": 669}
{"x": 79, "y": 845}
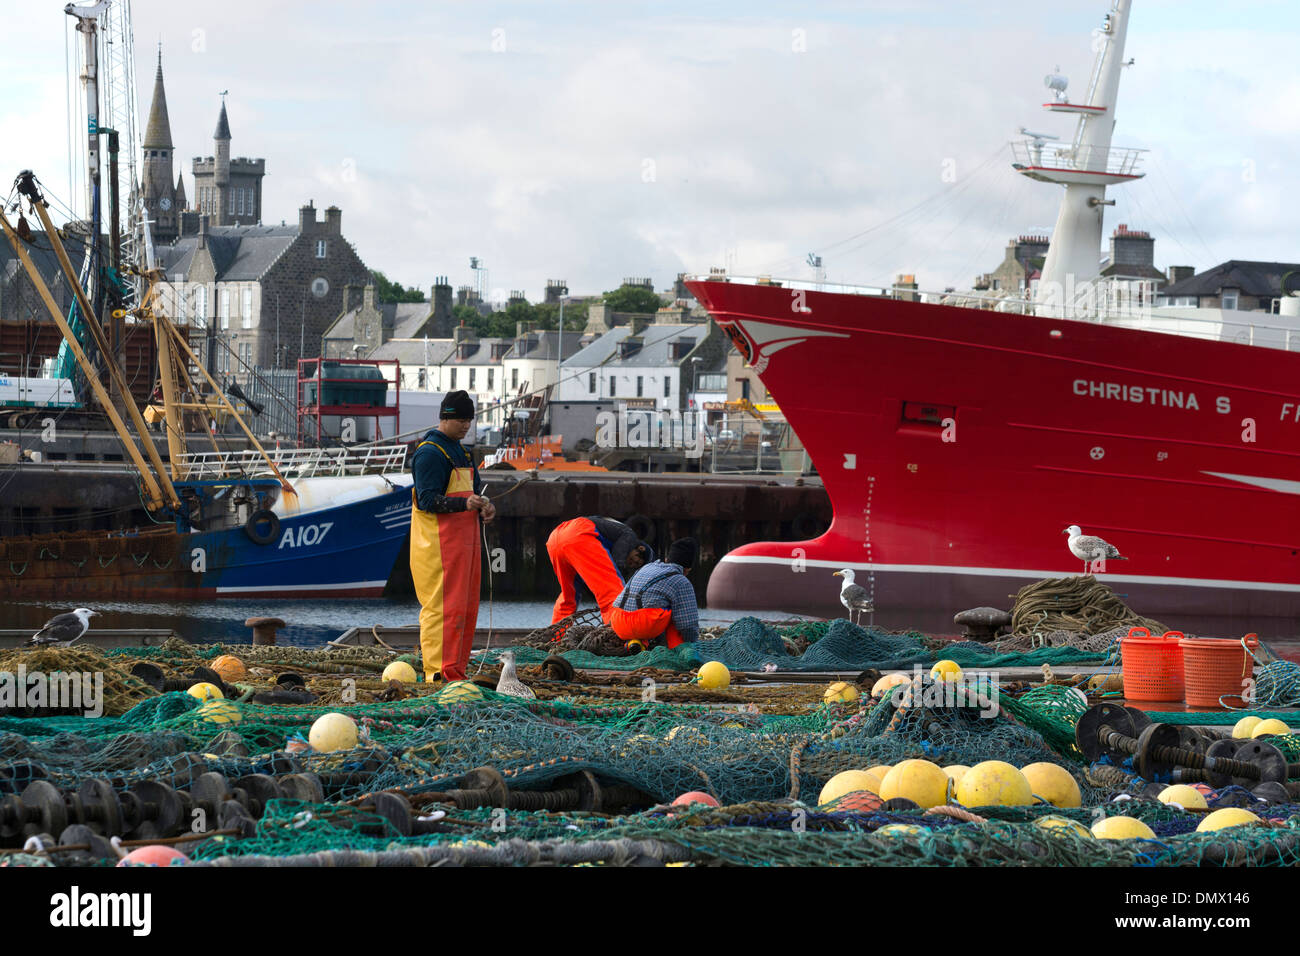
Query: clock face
{"x": 320, "y": 287}
{"x": 165, "y": 203}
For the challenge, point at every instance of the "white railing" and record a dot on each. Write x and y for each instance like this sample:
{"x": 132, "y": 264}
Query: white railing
{"x": 1127, "y": 303}
{"x": 1091, "y": 159}
{"x": 297, "y": 463}
{"x": 812, "y": 285}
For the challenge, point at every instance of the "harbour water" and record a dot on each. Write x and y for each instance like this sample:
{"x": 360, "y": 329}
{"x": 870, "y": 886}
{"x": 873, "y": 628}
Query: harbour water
{"x": 310, "y": 623}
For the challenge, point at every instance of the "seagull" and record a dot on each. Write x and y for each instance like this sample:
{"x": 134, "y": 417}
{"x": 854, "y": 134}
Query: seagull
{"x": 1089, "y": 549}
{"x": 64, "y": 628}
{"x": 854, "y": 597}
{"x": 509, "y": 682}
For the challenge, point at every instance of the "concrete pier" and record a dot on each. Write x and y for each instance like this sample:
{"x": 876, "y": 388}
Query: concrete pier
{"x": 721, "y": 511}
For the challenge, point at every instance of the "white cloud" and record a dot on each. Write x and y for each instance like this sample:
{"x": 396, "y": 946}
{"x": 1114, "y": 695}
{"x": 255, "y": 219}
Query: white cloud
{"x": 534, "y": 158}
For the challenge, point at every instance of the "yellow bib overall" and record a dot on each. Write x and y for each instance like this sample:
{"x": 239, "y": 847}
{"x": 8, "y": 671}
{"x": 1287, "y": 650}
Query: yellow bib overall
{"x": 445, "y": 565}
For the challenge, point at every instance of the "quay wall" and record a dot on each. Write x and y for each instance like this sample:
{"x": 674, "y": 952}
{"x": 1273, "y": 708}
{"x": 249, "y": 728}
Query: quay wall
{"x": 722, "y": 512}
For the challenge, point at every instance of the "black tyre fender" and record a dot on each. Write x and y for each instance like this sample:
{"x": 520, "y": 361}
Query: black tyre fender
{"x": 642, "y": 527}
{"x": 257, "y": 518}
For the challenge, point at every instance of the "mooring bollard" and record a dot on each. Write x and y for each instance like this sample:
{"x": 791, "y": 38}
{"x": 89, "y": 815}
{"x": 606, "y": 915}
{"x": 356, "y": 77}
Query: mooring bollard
{"x": 264, "y": 628}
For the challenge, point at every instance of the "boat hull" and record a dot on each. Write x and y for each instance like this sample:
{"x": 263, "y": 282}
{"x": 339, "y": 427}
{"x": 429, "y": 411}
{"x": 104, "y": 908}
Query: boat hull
{"x": 957, "y": 444}
{"x": 343, "y": 550}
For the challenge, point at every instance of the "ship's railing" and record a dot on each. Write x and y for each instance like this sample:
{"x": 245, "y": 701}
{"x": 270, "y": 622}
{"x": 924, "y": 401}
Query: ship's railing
{"x": 783, "y": 282}
{"x": 297, "y": 462}
{"x": 1128, "y": 303}
{"x": 1115, "y": 161}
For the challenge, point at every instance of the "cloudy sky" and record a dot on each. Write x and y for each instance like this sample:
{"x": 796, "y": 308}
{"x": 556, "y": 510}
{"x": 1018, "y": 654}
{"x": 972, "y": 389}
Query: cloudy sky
{"x": 590, "y": 141}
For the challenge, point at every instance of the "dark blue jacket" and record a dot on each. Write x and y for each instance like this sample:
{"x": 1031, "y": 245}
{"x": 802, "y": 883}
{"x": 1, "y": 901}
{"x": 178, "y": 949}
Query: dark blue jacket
{"x": 432, "y": 471}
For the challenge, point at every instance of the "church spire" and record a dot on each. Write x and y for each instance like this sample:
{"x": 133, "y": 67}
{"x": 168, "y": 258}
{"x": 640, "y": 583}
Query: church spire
{"x": 223, "y": 124}
{"x": 158, "y": 132}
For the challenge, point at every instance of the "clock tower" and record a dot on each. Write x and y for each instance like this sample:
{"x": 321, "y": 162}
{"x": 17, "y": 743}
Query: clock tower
{"x": 163, "y": 195}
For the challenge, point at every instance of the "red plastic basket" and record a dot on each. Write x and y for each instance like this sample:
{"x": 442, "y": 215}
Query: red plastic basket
{"x": 1216, "y": 668}
{"x": 1153, "y": 666}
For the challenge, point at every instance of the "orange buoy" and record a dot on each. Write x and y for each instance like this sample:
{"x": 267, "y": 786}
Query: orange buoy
{"x": 230, "y": 668}
{"x": 153, "y": 855}
{"x": 695, "y": 796}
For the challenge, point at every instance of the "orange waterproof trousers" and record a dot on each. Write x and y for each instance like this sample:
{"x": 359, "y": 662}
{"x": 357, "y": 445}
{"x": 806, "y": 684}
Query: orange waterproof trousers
{"x": 645, "y": 625}
{"x": 576, "y": 551}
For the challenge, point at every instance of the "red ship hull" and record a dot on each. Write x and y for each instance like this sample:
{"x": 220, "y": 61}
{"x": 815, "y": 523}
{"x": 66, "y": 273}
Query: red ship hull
{"x": 956, "y": 444}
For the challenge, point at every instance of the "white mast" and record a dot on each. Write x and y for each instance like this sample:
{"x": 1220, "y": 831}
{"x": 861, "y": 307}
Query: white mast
{"x": 87, "y": 27}
{"x": 1085, "y": 168}
{"x": 117, "y": 80}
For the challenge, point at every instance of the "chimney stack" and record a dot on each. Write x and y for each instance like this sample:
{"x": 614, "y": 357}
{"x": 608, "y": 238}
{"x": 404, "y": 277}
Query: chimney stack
{"x": 351, "y": 296}
{"x": 556, "y": 289}
{"x": 442, "y": 307}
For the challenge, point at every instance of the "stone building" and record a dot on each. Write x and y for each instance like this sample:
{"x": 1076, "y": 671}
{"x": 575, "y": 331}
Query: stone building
{"x": 533, "y": 361}
{"x": 463, "y": 361}
{"x": 1237, "y": 285}
{"x": 651, "y": 362}
{"x": 1021, "y": 264}
{"x": 161, "y": 187}
{"x": 228, "y": 191}
{"x": 269, "y": 292}
{"x": 366, "y": 324}
{"x": 1132, "y": 256}
{"x": 19, "y": 300}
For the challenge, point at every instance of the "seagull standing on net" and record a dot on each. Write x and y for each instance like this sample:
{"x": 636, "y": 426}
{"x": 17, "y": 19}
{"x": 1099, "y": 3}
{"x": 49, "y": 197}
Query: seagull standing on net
{"x": 64, "y": 628}
{"x": 509, "y": 682}
{"x": 854, "y": 597}
{"x": 1089, "y": 548}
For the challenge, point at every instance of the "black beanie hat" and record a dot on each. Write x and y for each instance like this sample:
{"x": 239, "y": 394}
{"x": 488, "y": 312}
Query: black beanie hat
{"x": 457, "y": 404}
{"x": 682, "y": 551}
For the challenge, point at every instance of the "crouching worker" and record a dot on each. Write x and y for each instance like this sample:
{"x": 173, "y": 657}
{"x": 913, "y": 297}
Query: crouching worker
{"x": 599, "y": 550}
{"x": 445, "y": 540}
{"x": 659, "y": 601}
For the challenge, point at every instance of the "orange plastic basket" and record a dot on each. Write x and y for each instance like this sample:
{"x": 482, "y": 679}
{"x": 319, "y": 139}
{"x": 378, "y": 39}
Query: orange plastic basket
{"x": 1153, "y": 666}
{"x": 1214, "y": 668}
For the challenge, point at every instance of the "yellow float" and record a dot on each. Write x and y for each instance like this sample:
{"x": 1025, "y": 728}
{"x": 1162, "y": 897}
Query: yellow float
{"x": 848, "y": 781}
{"x": 1227, "y": 817}
{"x": 840, "y": 693}
{"x": 206, "y": 691}
{"x": 922, "y": 782}
{"x": 333, "y": 732}
{"x": 714, "y": 675}
{"x": 1181, "y": 795}
{"x": 994, "y": 783}
{"x": 946, "y": 670}
{"x": 399, "y": 671}
{"x": 1270, "y": 726}
{"x": 1053, "y": 783}
{"x": 1122, "y": 828}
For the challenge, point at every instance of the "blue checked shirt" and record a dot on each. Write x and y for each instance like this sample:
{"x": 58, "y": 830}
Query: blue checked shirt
{"x": 655, "y": 586}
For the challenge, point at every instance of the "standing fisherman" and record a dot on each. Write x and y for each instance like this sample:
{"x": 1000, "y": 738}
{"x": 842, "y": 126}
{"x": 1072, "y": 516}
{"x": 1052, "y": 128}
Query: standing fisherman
{"x": 445, "y": 546}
